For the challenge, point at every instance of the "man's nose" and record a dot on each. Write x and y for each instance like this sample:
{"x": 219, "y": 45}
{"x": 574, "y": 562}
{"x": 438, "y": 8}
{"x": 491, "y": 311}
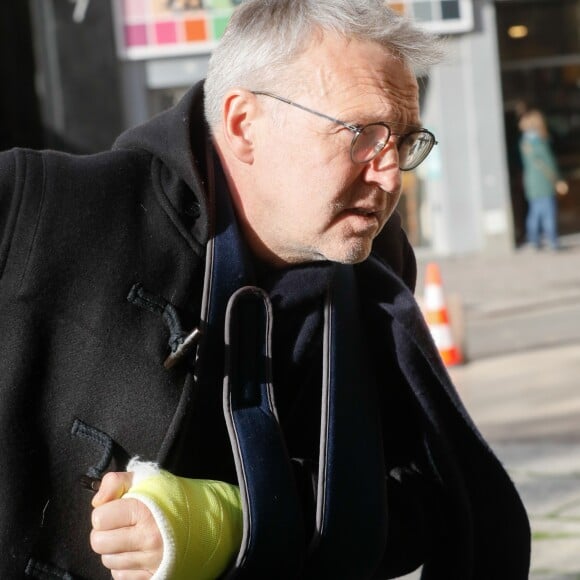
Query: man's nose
{"x": 384, "y": 170}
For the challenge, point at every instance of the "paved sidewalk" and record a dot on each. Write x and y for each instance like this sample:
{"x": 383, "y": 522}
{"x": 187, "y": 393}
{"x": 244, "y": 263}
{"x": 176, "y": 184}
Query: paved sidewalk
{"x": 547, "y": 476}
{"x": 514, "y": 302}
{"x": 527, "y": 405}
{"x": 500, "y": 283}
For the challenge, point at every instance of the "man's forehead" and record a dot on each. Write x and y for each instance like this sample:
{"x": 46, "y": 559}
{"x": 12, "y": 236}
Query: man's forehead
{"x": 374, "y": 102}
{"x": 358, "y": 81}
{"x": 337, "y": 64}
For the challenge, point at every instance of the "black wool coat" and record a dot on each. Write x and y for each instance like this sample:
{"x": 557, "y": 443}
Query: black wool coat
{"x": 82, "y": 382}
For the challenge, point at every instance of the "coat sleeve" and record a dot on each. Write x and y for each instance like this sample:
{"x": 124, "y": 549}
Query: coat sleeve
{"x": 417, "y": 503}
{"x": 416, "y": 515}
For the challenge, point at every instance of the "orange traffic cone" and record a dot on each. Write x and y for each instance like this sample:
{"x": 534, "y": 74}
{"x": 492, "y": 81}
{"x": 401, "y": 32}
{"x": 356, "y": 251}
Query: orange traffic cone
{"x": 437, "y": 317}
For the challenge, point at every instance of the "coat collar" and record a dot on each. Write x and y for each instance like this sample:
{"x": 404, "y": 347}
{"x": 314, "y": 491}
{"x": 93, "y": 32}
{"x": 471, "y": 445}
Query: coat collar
{"x": 177, "y": 139}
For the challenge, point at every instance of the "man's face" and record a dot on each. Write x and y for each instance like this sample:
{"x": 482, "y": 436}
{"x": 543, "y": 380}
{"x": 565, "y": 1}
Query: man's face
{"x": 308, "y": 200}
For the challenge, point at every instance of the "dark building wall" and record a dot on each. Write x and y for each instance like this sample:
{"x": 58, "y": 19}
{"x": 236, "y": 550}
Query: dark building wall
{"x": 20, "y": 123}
{"x": 79, "y": 75}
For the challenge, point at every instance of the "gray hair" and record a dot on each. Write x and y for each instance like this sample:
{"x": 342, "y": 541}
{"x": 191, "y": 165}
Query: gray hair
{"x": 264, "y": 37}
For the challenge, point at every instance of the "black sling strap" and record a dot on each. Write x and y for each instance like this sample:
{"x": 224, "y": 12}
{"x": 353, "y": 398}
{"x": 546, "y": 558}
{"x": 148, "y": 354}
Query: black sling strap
{"x": 351, "y": 499}
{"x": 273, "y": 544}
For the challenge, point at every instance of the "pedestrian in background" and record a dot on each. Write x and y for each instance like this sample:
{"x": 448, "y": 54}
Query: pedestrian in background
{"x": 541, "y": 180}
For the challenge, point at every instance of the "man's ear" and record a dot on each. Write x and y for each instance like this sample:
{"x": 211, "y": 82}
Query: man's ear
{"x": 238, "y": 123}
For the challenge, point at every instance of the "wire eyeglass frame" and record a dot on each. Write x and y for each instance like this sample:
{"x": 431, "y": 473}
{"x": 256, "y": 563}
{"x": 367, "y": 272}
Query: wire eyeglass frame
{"x": 421, "y": 135}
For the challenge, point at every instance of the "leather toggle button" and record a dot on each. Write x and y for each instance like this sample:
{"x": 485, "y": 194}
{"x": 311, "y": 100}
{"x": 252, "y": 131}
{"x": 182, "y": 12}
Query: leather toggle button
{"x": 184, "y": 348}
{"x": 90, "y": 483}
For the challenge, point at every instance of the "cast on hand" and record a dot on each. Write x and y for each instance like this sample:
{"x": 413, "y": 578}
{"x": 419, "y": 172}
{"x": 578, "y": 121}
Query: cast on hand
{"x": 200, "y": 521}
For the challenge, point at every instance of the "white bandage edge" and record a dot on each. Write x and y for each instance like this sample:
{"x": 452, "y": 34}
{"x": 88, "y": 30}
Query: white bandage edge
{"x": 143, "y": 470}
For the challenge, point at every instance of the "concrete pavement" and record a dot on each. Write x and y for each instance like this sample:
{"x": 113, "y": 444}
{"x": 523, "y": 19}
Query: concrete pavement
{"x": 513, "y": 302}
{"x": 527, "y": 405}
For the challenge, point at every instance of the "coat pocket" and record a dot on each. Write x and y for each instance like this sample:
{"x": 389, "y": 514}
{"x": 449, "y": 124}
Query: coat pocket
{"x": 62, "y": 550}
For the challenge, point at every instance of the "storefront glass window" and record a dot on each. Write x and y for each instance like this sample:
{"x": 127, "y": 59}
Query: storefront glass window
{"x": 540, "y": 68}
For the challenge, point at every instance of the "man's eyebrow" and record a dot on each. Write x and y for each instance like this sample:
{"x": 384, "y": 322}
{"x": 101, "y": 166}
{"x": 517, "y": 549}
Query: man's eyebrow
{"x": 367, "y": 118}
{"x": 404, "y": 127}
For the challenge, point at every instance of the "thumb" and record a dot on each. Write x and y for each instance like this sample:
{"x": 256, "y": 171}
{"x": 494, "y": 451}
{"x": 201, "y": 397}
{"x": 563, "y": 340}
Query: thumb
{"x": 114, "y": 485}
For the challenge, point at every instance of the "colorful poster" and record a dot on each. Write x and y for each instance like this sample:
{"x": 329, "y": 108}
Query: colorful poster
{"x": 147, "y": 29}
{"x": 440, "y": 16}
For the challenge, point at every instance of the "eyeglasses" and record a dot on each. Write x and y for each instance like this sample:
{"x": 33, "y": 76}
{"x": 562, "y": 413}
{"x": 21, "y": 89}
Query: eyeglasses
{"x": 369, "y": 140}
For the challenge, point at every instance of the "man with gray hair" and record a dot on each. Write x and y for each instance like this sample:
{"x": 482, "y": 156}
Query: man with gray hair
{"x": 224, "y": 342}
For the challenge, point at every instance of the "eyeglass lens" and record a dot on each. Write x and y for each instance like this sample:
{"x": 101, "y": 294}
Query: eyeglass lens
{"x": 372, "y": 139}
{"x": 413, "y": 148}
